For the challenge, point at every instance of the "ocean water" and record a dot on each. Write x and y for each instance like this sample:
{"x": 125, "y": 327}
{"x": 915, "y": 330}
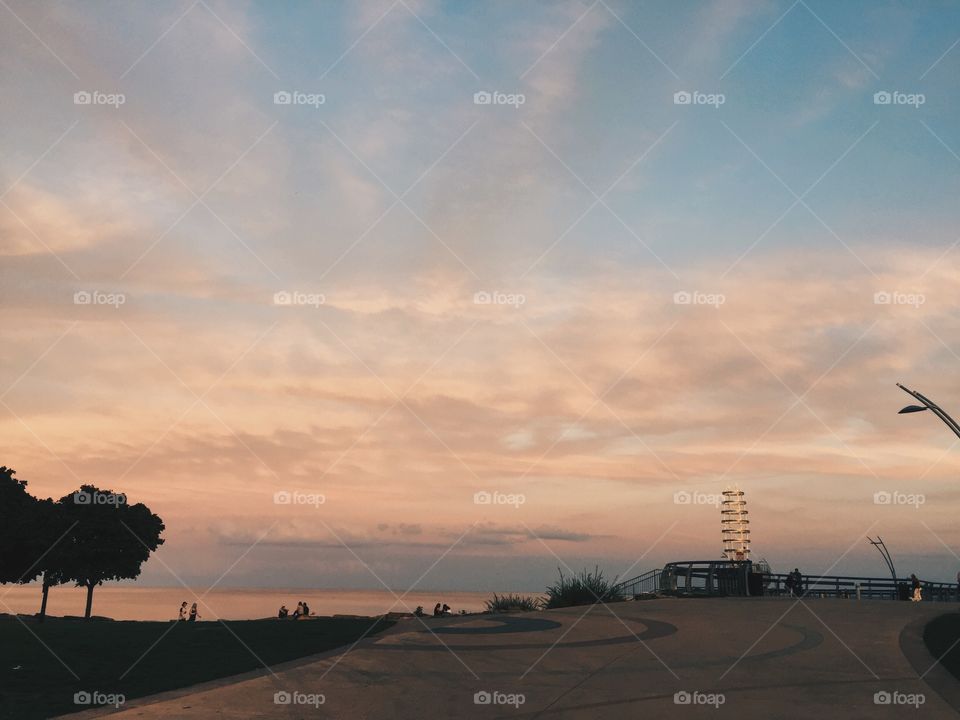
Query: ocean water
{"x": 124, "y": 602}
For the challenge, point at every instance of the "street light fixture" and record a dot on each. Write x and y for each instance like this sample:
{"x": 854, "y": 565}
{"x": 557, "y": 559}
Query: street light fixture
{"x": 931, "y": 406}
{"x": 882, "y": 547}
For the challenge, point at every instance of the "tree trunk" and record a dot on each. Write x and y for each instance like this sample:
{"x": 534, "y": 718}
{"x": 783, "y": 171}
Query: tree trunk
{"x": 90, "y": 588}
{"x": 43, "y": 602}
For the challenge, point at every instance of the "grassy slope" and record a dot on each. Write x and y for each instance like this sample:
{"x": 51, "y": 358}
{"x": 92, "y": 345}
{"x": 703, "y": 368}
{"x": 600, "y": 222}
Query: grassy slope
{"x": 100, "y": 652}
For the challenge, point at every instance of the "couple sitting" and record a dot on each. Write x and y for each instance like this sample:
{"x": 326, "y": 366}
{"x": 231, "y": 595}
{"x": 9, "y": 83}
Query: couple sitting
{"x": 193, "y": 615}
{"x": 302, "y": 610}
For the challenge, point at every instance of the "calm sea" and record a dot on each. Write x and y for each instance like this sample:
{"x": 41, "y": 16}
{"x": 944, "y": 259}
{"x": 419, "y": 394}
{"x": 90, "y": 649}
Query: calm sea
{"x": 147, "y": 603}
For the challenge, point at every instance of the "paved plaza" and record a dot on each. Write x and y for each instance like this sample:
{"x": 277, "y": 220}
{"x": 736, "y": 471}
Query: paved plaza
{"x": 762, "y": 658}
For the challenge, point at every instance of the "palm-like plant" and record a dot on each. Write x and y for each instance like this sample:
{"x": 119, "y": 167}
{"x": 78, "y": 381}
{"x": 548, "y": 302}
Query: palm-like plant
{"x": 583, "y": 588}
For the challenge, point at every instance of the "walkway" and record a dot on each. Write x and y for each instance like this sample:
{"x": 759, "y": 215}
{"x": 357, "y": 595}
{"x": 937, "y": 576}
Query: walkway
{"x": 737, "y": 657}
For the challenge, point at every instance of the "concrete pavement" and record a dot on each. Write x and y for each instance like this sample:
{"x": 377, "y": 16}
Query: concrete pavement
{"x": 729, "y": 657}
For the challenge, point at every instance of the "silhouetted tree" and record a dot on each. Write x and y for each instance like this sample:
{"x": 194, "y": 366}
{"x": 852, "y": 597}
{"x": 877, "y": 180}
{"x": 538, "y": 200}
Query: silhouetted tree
{"x": 51, "y": 531}
{"x": 108, "y": 539}
{"x": 30, "y": 530}
{"x": 18, "y": 560}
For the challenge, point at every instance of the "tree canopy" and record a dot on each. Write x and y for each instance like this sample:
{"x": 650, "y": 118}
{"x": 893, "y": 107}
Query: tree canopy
{"x": 87, "y": 537}
{"x": 108, "y": 540}
{"x": 19, "y": 543}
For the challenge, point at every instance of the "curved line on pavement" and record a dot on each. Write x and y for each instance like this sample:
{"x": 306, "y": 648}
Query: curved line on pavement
{"x": 654, "y": 629}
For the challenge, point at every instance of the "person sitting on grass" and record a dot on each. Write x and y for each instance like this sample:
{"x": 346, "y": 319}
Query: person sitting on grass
{"x": 283, "y": 612}
{"x": 419, "y": 611}
{"x": 183, "y": 611}
{"x": 299, "y": 611}
{"x": 306, "y": 608}
{"x": 437, "y": 612}
{"x": 446, "y": 610}
{"x": 193, "y": 613}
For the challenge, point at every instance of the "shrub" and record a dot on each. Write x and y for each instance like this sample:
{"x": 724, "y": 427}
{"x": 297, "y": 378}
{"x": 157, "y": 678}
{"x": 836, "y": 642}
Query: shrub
{"x": 583, "y": 588}
{"x": 513, "y": 603}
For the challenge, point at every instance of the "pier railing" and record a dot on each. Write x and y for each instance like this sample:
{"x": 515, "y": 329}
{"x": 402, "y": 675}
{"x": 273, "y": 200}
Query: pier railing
{"x": 737, "y": 578}
{"x": 644, "y": 584}
{"x": 851, "y": 586}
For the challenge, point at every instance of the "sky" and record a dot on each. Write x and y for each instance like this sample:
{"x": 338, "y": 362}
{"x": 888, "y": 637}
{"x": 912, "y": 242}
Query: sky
{"x": 589, "y": 260}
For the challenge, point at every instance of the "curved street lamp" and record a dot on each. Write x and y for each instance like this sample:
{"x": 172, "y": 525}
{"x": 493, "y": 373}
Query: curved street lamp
{"x": 931, "y": 406}
{"x": 881, "y": 546}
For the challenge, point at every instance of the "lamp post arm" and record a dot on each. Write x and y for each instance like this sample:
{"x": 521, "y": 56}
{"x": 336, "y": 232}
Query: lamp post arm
{"x": 882, "y": 548}
{"x": 941, "y": 413}
{"x": 935, "y": 409}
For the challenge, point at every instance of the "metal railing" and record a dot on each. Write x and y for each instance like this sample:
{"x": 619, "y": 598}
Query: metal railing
{"x": 708, "y": 577}
{"x": 851, "y": 586}
{"x": 647, "y": 583}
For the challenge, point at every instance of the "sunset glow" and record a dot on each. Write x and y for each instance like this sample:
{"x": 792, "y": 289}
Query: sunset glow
{"x": 402, "y": 295}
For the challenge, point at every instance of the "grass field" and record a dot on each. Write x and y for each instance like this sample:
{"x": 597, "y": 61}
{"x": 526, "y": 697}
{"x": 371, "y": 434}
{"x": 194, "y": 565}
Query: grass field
{"x": 116, "y": 657}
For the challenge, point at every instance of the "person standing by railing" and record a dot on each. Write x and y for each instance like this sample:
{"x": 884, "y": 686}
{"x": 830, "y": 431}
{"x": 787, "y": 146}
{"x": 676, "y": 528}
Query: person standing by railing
{"x": 915, "y": 583}
{"x": 797, "y": 585}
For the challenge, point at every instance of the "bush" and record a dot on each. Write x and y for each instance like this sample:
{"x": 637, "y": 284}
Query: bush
{"x": 584, "y": 588}
{"x": 513, "y": 603}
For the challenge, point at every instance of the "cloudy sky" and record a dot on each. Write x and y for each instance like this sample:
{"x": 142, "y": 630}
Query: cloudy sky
{"x": 586, "y": 293}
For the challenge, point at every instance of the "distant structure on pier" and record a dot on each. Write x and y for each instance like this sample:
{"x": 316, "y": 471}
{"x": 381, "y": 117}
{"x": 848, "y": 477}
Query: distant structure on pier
{"x": 735, "y": 525}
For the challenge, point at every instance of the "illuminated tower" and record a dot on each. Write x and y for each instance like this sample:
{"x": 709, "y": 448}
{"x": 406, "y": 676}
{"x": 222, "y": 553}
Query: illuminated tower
{"x": 736, "y": 526}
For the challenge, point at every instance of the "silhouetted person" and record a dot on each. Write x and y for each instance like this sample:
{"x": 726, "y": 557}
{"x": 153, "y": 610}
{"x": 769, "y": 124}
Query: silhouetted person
{"x": 193, "y": 613}
{"x": 283, "y": 612}
{"x": 419, "y": 611}
{"x": 306, "y": 608}
{"x": 299, "y": 611}
{"x": 797, "y": 582}
{"x": 445, "y": 610}
{"x": 183, "y": 611}
{"x": 437, "y": 612}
